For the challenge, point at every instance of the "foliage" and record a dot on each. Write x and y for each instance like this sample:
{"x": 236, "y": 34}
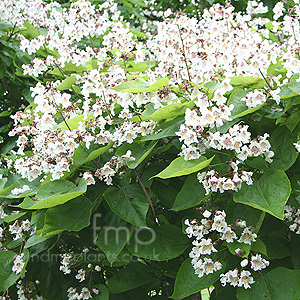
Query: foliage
{"x": 132, "y": 143}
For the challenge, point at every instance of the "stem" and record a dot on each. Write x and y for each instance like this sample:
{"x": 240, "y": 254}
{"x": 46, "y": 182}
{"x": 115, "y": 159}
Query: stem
{"x": 65, "y": 121}
{"x": 146, "y": 193}
{"x": 183, "y": 48}
{"x": 12, "y": 32}
{"x": 265, "y": 79}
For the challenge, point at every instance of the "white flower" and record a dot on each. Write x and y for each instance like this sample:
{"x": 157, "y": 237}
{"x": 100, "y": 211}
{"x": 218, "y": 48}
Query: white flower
{"x": 247, "y": 236}
{"x": 228, "y": 235}
{"x": 244, "y": 263}
{"x": 245, "y": 279}
{"x": 81, "y": 275}
{"x": 258, "y": 263}
{"x": 88, "y": 178}
{"x": 206, "y": 214}
{"x": 18, "y": 263}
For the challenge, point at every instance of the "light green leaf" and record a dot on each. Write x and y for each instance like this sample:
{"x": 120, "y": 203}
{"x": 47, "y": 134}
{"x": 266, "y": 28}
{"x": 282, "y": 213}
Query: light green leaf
{"x": 160, "y": 243}
{"x": 13, "y": 217}
{"x": 179, "y": 167}
{"x": 167, "y": 129}
{"x": 187, "y": 283}
{"x": 7, "y": 191}
{"x": 137, "y": 67}
{"x": 248, "y": 82}
{"x": 67, "y": 83}
{"x": 278, "y": 284}
{"x": 190, "y": 194}
{"x": 249, "y": 111}
{"x": 170, "y": 111}
{"x": 54, "y": 193}
{"x": 74, "y": 122}
{"x": 129, "y": 203}
{"x": 270, "y": 193}
{"x": 73, "y": 216}
{"x": 137, "y": 151}
{"x": 294, "y": 85}
{"x": 245, "y": 248}
{"x": 83, "y": 155}
{"x": 236, "y": 99}
{"x": 139, "y": 85}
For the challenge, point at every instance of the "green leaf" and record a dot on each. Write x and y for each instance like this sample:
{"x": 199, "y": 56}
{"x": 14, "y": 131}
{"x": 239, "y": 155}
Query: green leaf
{"x": 67, "y": 83}
{"x": 133, "y": 276}
{"x": 137, "y": 151}
{"x": 190, "y": 194}
{"x": 13, "y": 217}
{"x": 7, "y": 277}
{"x": 6, "y": 192}
{"x": 293, "y": 120}
{"x": 294, "y": 85}
{"x": 140, "y": 85}
{"x": 278, "y": 284}
{"x": 31, "y": 32}
{"x": 286, "y": 92}
{"x": 187, "y": 283}
{"x": 83, "y": 155}
{"x": 249, "y": 111}
{"x": 260, "y": 247}
{"x": 248, "y": 82}
{"x": 74, "y": 122}
{"x": 170, "y": 111}
{"x": 69, "y": 68}
{"x": 113, "y": 238}
{"x": 167, "y": 129}
{"x": 137, "y": 67}
{"x": 236, "y": 99}
{"x": 2, "y": 69}
{"x": 103, "y": 292}
{"x": 245, "y": 248}
{"x": 56, "y": 192}
{"x": 179, "y": 167}
{"x": 282, "y": 144}
{"x": 160, "y": 243}
{"x": 73, "y": 216}
{"x": 129, "y": 203}
{"x": 270, "y": 193}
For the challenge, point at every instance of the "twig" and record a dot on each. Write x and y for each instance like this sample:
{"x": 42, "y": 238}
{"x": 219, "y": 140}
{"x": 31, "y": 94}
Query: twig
{"x": 183, "y": 48}
{"x": 146, "y": 193}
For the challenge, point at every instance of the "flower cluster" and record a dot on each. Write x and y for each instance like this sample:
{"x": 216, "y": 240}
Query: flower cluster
{"x": 213, "y": 182}
{"x": 244, "y": 279}
{"x": 27, "y": 290}
{"x": 18, "y": 263}
{"x": 254, "y": 99}
{"x": 293, "y": 215}
{"x": 19, "y": 230}
{"x": 84, "y": 294}
{"x": 203, "y": 247}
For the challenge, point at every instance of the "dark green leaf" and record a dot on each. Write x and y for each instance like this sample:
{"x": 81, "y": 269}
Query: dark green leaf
{"x": 278, "y": 284}
{"x": 129, "y": 203}
{"x": 282, "y": 144}
{"x": 160, "y": 243}
{"x": 73, "y": 215}
{"x": 190, "y": 194}
{"x": 187, "y": 283}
